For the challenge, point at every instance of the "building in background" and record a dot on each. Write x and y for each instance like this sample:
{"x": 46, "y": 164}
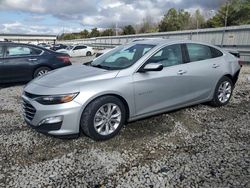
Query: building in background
{"x": 28, "y": 38}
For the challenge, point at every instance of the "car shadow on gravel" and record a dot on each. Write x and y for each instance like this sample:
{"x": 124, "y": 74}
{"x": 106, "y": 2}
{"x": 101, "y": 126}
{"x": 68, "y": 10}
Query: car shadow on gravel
{"x": 8, "y": 85}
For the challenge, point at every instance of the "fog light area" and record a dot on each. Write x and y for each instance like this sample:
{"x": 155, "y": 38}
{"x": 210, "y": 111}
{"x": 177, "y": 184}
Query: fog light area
{"x": 51, "y": 120}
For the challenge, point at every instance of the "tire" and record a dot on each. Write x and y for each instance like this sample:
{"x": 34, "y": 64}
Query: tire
{"x": 41, "y": 71}
{"x": 92, "y": 117}
{"x": 88, "y": 53}
{"x": 222, "y": 96}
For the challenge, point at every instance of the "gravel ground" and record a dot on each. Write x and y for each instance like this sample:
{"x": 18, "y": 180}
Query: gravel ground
{"x": 198, "y": 146}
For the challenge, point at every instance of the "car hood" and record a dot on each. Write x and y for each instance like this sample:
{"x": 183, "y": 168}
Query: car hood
{"x": 69, "y": 78}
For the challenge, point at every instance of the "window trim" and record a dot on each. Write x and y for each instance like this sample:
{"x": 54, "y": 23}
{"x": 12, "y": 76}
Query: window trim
{"x": 27, "y": 46}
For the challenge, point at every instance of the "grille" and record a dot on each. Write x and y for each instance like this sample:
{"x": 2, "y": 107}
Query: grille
{"x": 28, "y": 110}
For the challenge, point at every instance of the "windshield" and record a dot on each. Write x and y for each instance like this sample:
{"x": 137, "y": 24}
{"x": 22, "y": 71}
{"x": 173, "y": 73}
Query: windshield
{"x": 122, "y": 56}
{"x": 69, "y": 47}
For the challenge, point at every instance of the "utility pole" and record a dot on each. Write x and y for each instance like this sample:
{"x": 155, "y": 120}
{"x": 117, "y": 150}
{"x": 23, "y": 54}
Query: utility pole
{"x": 197, "y": 25}
{"x": 225, "y": 26}
{"x": 116, "y": 31}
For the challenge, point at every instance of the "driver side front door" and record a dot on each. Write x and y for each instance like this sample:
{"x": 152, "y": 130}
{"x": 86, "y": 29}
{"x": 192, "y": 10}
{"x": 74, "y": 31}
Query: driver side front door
{"x": 162, "y": 90}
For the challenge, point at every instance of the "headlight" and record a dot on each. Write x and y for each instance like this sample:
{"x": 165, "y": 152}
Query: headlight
{"x": 56, "y": 99}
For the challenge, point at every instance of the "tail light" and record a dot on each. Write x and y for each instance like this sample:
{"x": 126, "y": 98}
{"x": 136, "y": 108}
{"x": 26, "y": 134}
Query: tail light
{"x": 64, "y": 59}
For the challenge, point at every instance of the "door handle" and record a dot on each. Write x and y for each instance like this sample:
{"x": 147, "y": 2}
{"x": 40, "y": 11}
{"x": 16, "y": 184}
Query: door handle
{"x": 32, "y": 59}
{"x": 181, "y": 72}
{"x": 215, "y": 66}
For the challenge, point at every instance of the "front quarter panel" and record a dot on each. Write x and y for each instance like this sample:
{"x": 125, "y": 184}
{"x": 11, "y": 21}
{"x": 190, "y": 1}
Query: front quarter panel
{"x": 121, "y": 86}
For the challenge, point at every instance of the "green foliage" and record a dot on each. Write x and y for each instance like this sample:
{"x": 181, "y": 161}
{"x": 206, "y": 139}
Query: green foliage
{"x": 84, "y": 33}
{"x": 108, "y": 32}
{"x": 180, "y": 20}
{"x": 170, "y": 22}
{"x": 147, "y": 25}
{"x": 199, "y": 20}
{"x": 128, "y": 30}
{"x": 184, "y": 18}
{"x": 94, "y": 33}
{"x": 236, "y": 11}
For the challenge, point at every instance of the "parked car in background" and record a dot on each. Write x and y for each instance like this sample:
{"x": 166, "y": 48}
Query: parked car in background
{"x": 78, "y": 50}
{"x": 44, "y": 45}
{"x": 100, "y": 52}
{"x": 130, "y": 82}
{"x": 23, "y": 62}
{"x": 56, "y": 47}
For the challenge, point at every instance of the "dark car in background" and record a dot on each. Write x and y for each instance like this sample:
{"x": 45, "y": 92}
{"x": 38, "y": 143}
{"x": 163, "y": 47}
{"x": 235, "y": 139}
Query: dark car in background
{"x": 58, "y": 47}
{"x": 23, "y": 62}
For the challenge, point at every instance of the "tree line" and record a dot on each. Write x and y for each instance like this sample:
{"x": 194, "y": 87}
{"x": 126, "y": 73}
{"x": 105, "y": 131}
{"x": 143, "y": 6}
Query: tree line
{"x": 233, "y": 12}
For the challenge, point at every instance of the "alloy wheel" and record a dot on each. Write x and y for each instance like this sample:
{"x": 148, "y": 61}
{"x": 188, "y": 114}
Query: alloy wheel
{"x": 107, "y": 119}
{"x": 42, "y": 72}
{"x": 224, "y": 91}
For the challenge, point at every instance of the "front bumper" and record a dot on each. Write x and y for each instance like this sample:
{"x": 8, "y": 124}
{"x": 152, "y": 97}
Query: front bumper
{"x": 34, "y": 113}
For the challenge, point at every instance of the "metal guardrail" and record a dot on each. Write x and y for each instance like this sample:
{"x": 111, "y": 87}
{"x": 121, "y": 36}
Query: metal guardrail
{"x": 235, "y": 38}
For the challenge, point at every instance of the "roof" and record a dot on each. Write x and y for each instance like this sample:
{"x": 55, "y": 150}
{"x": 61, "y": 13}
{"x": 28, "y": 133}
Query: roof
{"x": 160, "y": 41}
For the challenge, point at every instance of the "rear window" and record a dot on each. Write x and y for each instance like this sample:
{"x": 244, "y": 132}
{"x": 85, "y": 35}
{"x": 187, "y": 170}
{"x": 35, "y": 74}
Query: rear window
{"x": 215, "y": 52}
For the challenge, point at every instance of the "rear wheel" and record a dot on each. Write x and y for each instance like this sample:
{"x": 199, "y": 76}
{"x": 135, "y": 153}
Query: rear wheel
{"x": 223, "y": 92}
{"x": 41, "y": 71}
{"x": 88, "y": 54}
{"x": 103, "y": 118}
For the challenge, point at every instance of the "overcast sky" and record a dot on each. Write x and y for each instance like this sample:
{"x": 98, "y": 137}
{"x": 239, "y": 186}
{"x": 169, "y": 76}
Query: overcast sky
{"x": 54, "y": 16}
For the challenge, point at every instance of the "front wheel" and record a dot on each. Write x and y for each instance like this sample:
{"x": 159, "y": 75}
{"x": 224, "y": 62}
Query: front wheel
{"x": 223, "y": 92}
{"x": 103, "y": 118}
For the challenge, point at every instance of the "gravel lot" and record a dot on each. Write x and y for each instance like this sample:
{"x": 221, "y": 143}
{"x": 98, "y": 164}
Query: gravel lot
{"x": 198, "y": 146}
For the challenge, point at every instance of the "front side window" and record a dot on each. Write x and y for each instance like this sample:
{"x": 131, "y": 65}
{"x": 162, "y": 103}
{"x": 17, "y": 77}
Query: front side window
{"x": 19, "y": 51}
{"x": 198, "y": 52}
{"x": 122, "y": 57}
{"x": 168, "y": 56}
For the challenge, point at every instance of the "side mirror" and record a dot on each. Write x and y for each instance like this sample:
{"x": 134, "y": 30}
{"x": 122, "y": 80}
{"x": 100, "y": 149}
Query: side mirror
{"x": 151, "y": 67}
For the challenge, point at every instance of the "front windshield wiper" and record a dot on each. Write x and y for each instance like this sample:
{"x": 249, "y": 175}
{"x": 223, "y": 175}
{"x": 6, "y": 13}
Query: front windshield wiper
{"x": 101, "y": 66}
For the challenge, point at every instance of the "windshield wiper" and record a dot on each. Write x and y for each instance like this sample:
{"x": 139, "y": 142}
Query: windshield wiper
{"x": 101, "y": 66}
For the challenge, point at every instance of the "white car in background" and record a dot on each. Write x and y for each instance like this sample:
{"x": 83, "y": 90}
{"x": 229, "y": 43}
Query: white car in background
{"x": 78, "y": 50}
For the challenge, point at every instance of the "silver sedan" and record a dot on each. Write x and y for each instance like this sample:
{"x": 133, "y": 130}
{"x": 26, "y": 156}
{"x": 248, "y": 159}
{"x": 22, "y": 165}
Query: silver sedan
{"x": 130, "y": 82}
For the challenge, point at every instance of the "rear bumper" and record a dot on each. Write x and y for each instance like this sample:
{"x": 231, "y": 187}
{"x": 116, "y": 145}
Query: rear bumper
{"x": 236, "y": 76}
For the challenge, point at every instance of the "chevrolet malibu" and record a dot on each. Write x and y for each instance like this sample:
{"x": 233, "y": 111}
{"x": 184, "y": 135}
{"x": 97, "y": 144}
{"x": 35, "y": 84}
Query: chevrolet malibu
{"x": 130, "y": 82}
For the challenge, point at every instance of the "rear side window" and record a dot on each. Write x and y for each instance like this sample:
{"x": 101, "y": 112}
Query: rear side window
{"x": 199, "y": 52}
{"x": 215, "y": 52}
{"x": 1, "y": 51}
{"x": 19, "y": 51}
{"x": 168, "y": 56}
